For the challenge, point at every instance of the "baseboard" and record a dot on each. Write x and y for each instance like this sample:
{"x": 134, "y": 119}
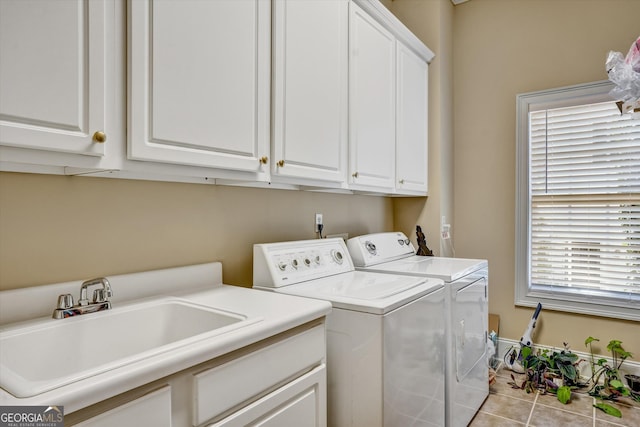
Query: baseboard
{"x": 628, "y": 367}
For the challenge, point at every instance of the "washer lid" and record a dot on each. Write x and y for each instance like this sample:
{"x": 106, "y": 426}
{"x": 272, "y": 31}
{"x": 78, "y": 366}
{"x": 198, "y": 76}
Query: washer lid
{"x": 367, "y": 292}
{"x": 447, "y": 269}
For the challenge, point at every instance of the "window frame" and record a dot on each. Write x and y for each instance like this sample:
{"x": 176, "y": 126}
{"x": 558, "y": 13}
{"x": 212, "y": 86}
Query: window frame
{"x": 590, "y": 302}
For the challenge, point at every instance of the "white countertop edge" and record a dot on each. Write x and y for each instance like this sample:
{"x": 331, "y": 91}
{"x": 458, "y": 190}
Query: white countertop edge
{"x": 278, "y": 312}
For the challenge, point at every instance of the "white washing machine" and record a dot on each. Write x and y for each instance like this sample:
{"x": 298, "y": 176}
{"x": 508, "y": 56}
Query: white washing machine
{"x": 466, "y": 306}
{"x": 385, "y": 334}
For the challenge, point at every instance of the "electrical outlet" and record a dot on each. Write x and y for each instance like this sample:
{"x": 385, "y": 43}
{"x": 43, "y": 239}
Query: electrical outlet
{"x": 318, "y": 222}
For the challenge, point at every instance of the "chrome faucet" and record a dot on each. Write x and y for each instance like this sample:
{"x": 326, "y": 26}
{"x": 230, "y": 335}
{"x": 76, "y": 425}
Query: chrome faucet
{"x": 101, "y": 300}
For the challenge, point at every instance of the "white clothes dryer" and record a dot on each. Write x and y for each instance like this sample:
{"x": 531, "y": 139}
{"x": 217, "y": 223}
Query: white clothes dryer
{"x": 385, "y": 334}
{"x": 466, "y": 306}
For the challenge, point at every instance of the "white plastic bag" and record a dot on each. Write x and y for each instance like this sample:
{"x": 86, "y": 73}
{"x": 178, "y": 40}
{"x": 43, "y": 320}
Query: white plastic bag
{"x": 624, "y": 72}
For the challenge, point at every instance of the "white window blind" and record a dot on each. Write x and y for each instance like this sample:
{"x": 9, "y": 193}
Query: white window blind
{"x": 577, "y": 202}
{"x": 585, "y": 198}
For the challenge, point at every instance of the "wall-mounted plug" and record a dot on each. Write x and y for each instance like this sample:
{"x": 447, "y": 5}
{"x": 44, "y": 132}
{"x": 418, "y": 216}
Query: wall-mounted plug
{"x": 446, "y": 231}
{"x": 318, "y": 223}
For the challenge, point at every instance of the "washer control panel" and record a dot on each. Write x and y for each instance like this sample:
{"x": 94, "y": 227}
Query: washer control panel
{"x": 286, "y": 263}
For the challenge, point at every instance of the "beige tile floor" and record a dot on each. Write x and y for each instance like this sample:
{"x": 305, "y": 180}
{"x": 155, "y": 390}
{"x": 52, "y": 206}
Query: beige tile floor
{"x": 506, "y": 406}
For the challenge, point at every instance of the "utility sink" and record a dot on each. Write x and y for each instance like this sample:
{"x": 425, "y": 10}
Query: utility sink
{"x": 46, "y": 355}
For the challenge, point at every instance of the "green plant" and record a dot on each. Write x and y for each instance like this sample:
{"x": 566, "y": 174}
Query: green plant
{"x": 549, "y": 372}
{"x": 611, "y": 388}
{"x": 556, "y": 372}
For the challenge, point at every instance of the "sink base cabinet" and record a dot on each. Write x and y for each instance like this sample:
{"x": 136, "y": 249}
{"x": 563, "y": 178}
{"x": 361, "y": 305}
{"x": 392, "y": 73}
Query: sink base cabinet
{"x": 278, "y": 381}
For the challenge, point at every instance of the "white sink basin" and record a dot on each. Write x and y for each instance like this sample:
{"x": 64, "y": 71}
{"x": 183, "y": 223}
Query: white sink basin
{"x": 52, "y": 353}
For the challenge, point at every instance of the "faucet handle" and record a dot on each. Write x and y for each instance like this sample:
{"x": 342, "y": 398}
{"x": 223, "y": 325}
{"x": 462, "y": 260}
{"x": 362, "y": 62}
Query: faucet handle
{"x": 100, "y": 295}
{"x": 65, "y": 301}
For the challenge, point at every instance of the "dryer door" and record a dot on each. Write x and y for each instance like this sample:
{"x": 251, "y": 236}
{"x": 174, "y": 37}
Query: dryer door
{"x": 469, "y": 323}
{"x": 469, "y": 384}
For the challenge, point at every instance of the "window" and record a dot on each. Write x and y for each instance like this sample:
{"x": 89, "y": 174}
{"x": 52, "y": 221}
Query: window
{"x": 578, "y": 203}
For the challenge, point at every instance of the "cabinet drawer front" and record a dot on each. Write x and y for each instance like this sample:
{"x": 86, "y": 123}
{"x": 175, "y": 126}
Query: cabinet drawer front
{"x": 248, "y": 378}
{"x": 300, "y": 403}
{"x": 152, "y": 410}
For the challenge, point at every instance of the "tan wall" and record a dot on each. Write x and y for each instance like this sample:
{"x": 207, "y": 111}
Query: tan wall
{"x": 57, "y": 228}
{"x": 502, "y": 48}
{"x": 431, "y": 21}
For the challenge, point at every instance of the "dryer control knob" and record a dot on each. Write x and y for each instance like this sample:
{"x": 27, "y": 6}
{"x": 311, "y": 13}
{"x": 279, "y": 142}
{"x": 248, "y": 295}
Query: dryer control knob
{"x": 371, "y": 247}
{"x": 337, "y": 256}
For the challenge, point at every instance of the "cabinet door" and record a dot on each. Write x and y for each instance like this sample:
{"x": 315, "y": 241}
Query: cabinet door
{"x": 310, "y": 89}
{"x": 411, "y": 121}
{"x": 151, "y": 410}
{"x": 53, "y": 67}
{"x": 372, "y": 102}
{"x": 199, "y": 82}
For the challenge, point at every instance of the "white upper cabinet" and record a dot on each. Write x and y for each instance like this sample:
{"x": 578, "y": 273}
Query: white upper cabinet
{"x": 54, "y": 65}
{"x": 310, "y": 63}
{"x": 284, "y": 93}
{"x": 388, "y": 115}
{"x": 411, "y": 121}
{"x": 372, "y": 82}
{"x": 199, "y": 82}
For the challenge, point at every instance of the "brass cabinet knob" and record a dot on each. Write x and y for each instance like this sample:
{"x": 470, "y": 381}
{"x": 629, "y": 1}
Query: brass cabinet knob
{"x": 402, "y": 181}
{"x": 99, "y": 136}
{"x": 355, "y": 174}
{"x": 281, "y": 163}
{"x": 264, "y": 160}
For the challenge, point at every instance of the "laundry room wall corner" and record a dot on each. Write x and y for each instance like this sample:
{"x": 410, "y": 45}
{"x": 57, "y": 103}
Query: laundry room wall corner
{"x": 432, "y": 22}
